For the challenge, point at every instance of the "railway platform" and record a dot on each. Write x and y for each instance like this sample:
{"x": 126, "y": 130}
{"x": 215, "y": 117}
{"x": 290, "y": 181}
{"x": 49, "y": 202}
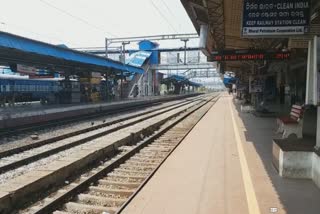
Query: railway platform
{"x": 35, "y": 113}
{"x": 224, "y": 165}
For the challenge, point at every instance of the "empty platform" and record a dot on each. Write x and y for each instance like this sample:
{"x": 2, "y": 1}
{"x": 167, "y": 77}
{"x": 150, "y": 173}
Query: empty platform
{"x": 225, "y": 165}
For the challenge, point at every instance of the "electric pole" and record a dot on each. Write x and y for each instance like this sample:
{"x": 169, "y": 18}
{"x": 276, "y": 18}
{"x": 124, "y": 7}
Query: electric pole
{"x": 185, "y": 49}
{"x": 107, "y": 46}
{"x": 123, "y": 58}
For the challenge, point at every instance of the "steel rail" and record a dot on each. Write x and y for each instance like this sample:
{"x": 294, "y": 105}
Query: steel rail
{"x": 42, "y": 125}
{"x": 27, "y": 160}
{"x": 11, "y": 151}
{"x": 80, "y": 187}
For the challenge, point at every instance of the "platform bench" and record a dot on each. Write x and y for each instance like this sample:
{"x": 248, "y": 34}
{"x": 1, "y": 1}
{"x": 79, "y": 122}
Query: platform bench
{"x": 291, "y": 124}
{"x": 298, "y": 157}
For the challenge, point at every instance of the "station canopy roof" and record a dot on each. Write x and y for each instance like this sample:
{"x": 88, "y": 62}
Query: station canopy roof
{"x": 21, "y": 50}
{"x": 224, "y": 20}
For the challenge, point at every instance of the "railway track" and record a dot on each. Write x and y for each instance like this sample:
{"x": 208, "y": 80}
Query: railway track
{"x": 74, "y": 129}
{"x": 18, "y": 157}
{"x": 8, "y": 132}
{"x": 46, "y": 125}
{"x": 23, "y": 141}
{"x": 110, "y": 185}
{"x": 77, "y": 157}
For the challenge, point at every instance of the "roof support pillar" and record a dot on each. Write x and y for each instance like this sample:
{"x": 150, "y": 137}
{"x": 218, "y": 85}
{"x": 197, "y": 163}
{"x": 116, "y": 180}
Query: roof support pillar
{"x": 318, "y": 129}
{"x": 312, "y": 74}
{"x": 315, "y": 66}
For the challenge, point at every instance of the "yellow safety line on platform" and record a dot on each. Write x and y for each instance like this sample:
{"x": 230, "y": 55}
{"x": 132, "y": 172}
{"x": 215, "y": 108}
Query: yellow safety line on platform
{"x": 248, "y": 186}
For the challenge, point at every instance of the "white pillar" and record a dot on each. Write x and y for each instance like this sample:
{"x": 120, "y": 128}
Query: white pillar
{"x": 312, "y": 78}
{"x": 318, "y": 129}
{"x": 316, "y": 68}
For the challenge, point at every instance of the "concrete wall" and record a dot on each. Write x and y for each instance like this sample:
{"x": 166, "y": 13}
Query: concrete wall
{"x": 301, "y": 165}
{"x": 316, "y": 169}
{"x": 296, "y": 164}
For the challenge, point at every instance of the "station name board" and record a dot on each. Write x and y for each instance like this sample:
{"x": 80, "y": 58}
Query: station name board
{"x": 275, "y": 17}
{"x": 247, "y": 55}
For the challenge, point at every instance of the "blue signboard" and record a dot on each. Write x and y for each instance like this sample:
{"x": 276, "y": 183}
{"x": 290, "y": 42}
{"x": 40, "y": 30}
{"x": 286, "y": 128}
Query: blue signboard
{"x": 275, "y": 17}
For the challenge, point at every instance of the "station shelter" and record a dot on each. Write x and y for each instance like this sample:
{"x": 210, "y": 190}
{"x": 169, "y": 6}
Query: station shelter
{"x": 270, "y": 84}
{"x": 84, "y": 77}
{"x": 177, "y": 84}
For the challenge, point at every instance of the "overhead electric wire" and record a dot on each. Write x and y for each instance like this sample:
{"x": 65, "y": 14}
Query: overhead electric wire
{"x": 163, "y": 16}
{"x": 168, "y": 8}
{"x": 76, "y": 17}
{"x": 170, "y": 11}
{"x": 29, "y": 31}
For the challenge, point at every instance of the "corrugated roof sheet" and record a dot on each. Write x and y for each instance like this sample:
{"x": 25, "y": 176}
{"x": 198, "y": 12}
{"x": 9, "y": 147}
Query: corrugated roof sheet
{"x": 139, "y": 58}
{"x": 28, "y": 45}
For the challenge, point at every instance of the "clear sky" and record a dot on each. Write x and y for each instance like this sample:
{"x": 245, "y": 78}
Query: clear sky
{"x": 85, "y": 23}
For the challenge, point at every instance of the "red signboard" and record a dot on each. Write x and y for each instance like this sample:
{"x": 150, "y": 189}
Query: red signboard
{"x": 246, "y": 55}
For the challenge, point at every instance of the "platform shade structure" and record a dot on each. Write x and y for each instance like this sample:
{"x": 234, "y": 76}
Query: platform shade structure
{"x": 194, "y": 84}
{"x": 180, "y": 80}
{"x": 20, "y": 50}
